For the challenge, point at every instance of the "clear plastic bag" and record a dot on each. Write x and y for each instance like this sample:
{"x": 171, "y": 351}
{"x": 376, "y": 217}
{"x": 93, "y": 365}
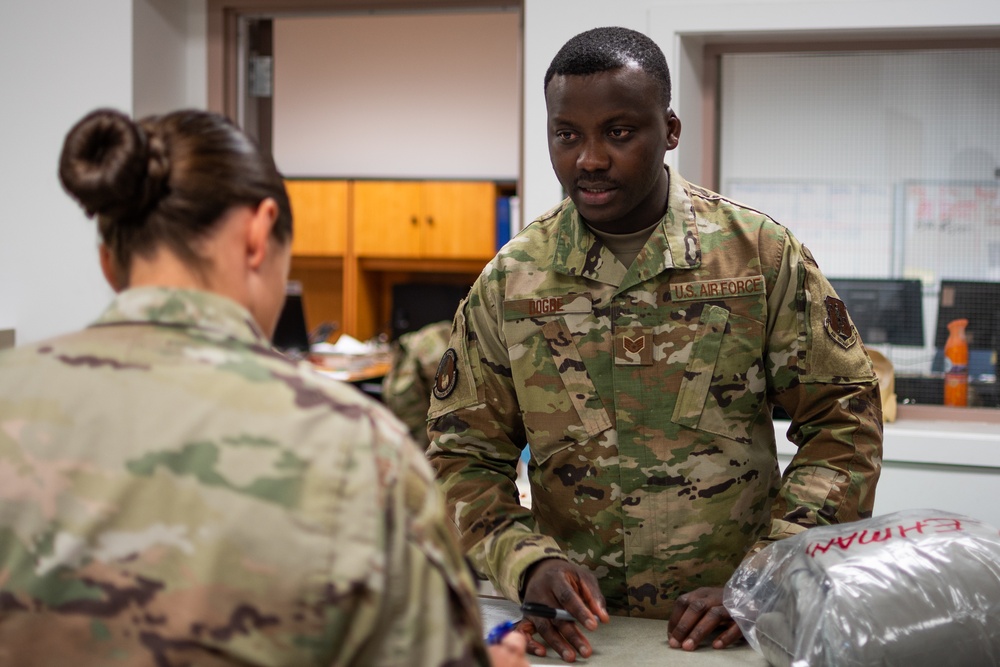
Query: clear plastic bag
{"x": 913, "y": 588}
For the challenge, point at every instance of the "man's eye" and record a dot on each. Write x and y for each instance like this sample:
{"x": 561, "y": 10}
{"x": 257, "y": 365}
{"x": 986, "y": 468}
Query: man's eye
{"x": 565, "y": 135}
{"x": 620, "y": 133}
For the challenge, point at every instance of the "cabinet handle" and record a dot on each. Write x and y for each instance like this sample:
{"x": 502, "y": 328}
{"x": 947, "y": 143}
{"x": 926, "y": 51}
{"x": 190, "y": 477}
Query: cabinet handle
{"x": 413, "y": 220}
{"x": 430, "y": 220}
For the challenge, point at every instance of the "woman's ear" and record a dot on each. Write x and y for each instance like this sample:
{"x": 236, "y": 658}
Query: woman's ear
{"x": 110, "y": 269}
{"x": 259, "y": 232}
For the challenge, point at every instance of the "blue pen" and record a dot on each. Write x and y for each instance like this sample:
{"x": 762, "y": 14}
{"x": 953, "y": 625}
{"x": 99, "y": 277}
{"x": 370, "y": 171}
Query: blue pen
{"x": 499, "y": 632}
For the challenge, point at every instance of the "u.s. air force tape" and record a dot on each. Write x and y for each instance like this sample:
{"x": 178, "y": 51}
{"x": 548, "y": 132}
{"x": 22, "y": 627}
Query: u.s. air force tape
{"x": 446, "y": 377}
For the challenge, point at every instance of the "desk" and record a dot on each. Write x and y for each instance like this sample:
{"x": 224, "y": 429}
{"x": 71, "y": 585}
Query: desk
{"x": 629, "y": 642}
{"x": 352, "y": 367}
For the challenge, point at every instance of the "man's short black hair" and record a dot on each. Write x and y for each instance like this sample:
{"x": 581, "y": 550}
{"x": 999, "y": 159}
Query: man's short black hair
{"x": 605, "y": 49}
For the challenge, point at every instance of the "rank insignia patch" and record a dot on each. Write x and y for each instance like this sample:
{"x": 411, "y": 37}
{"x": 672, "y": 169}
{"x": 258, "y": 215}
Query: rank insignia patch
{"x": 446, "y": 378}
{"x": 838, "y": 323}
{"x": 634, "y": 345}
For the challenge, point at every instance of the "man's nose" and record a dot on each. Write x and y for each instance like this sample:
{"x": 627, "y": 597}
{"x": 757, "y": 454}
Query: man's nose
{"x": 593, "y": 156}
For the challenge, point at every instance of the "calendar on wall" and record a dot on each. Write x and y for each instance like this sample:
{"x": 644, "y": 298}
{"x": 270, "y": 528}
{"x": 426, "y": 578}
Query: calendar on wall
{"x": 950, "y": 230}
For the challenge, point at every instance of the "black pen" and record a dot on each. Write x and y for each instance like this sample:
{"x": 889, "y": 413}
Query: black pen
{"x": 545, "y": 611}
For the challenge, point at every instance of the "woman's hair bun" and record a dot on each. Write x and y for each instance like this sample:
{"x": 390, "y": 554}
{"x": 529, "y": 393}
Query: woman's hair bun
{"x": 111, "y": 166}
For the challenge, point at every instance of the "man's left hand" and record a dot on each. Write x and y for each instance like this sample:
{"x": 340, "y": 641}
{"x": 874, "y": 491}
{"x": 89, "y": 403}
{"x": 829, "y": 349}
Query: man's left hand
{"x": 696, "y": 616}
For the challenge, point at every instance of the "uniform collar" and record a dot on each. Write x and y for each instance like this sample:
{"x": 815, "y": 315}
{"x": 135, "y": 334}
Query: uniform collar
{"x": 211, "y": 314}
{"x": 674, "y": 244}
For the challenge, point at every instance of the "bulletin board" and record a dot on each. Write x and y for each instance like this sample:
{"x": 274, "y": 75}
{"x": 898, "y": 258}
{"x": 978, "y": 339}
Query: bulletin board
{"x": 848, "y": 227}
{"x": 951, "y": 229}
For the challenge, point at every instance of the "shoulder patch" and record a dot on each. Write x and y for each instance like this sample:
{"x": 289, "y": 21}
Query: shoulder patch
{"x": 446, "y": 378}
{"x": 838, "y": 323}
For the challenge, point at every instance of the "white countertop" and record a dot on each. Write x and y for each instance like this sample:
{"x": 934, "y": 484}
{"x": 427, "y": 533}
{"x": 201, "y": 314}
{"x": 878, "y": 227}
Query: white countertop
{"x": 629, "y": 642}
{"x": 929, "y": 442}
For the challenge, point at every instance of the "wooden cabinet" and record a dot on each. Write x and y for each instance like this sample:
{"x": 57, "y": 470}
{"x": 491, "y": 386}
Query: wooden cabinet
{"x": 320, "y": 217}
{"x": 355, "y": 239}
{"x": 425, "y": 219}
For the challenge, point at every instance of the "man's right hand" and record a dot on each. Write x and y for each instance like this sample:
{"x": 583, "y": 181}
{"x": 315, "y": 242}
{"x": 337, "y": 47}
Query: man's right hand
{"x": 563, "y": 585}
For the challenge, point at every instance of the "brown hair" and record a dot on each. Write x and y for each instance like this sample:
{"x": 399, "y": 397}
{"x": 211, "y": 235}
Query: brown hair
{"x": 166, "y": 179}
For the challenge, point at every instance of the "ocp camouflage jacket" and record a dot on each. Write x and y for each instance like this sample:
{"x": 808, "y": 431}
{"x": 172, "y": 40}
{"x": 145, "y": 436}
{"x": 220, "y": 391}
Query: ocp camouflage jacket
{"x": 645, "y": 394}
{"x": 174, "y": 492}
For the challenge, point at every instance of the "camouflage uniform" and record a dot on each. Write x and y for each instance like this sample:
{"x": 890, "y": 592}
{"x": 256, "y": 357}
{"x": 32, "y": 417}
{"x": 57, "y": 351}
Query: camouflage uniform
{"x": 645, "y": 394}
{"x": 172, "y": 492}
{"x": 406, "y": 388}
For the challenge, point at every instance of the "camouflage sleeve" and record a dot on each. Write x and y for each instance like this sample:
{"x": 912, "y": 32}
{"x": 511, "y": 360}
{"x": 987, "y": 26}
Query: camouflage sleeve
{"x": 403, "y": 392}
{"x": 429, "y": 613}
{"x": 477, "y": 436}
{"x": 820, "y": 373}
{"x": 406, "y": 387}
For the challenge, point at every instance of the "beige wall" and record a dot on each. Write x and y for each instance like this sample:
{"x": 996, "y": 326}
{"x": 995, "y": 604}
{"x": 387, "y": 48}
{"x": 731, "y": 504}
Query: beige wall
{"x": 406, "y": 95}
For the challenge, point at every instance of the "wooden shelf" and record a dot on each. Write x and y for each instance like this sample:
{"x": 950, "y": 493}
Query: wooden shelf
{"x": 440, "y": 266}
{"x": 355, "y": 240}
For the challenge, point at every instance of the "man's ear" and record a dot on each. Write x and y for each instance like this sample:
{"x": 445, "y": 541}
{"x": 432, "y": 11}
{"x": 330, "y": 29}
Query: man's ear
{"x": 259, "y": 232}
{"x": 110, "y": 269}
{"x": 673, "y": 130}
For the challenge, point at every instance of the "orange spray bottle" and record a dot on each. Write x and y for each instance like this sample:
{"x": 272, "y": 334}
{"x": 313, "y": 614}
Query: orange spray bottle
{"x": 956, "y": 361}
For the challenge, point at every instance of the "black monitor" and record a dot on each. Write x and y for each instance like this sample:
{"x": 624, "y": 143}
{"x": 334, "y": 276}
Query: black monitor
{"x": 415, "y": 305}
{"x": 291, "y": 334}
{"x": 884, "y": 310}
{"x": 977, "y": 302}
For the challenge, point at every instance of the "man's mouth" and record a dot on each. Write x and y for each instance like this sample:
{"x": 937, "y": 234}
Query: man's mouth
{"x": 595, "y": 193}
{"x": 595, "y": 187}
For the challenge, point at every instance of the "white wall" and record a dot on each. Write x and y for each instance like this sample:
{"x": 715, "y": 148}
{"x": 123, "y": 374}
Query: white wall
{"x": 63, "y": 58}
{"x": 681, "y": 27}
{"x": 432, "y": 95}
{"x": 170, "y": 54}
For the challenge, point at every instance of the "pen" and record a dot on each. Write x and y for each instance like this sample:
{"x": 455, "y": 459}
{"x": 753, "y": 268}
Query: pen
{"x": 545, "y": 611}
{"x": 499, "y": 632}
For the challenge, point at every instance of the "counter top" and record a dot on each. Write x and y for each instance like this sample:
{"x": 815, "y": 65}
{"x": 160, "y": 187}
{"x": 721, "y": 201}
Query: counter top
{"x": 629, "y": 642}
{"x": 950, "y": 443}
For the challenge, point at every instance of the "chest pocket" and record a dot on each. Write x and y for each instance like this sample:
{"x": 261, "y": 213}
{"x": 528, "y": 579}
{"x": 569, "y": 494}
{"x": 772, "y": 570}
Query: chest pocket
{"x": 724, "y": 382}
{"x": 559, "y": 403}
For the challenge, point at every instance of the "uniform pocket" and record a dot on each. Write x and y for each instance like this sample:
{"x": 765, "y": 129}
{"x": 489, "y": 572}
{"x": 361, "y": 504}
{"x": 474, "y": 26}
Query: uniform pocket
{"x": 724, "y": 378}
{"x": 559, "y": 403}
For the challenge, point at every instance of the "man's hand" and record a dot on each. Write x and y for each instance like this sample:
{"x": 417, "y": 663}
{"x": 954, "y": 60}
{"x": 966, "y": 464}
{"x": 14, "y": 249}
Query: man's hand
{"x": 698, "y": 614}
{"x": 561, "y": 584}
{"x": 510, "y": 652}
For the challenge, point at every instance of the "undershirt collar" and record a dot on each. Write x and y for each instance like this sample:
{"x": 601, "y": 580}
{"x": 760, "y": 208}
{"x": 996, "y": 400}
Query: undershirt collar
{"x": 625, "y": 247}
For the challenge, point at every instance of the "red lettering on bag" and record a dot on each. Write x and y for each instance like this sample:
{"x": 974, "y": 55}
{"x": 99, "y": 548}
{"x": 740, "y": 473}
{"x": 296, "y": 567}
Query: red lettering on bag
{"x": 845, "y": 542}
{"x": 877, "y": 536}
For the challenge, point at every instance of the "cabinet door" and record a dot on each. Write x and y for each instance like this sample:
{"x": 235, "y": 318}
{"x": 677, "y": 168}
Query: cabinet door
{"x": 459, "y": 219}
{"x": 319, "y": 217}
{"x": 388, "y": 219}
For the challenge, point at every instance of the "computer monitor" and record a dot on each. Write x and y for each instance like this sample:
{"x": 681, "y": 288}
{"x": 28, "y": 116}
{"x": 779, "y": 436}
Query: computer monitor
{"x": 884, "y": 310}
{"x": 415, "y": 305}
{"x": 977, "y": 302}
{"x": 291, "y": 334}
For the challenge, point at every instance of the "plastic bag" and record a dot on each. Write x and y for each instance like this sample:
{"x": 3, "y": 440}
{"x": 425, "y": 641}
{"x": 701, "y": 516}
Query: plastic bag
{"x": 917, "y": 587}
